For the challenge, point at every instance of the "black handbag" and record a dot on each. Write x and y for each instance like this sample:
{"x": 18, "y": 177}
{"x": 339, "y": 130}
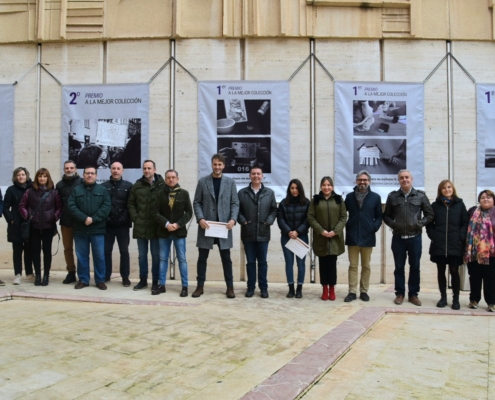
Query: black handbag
{"x": 26, "y": 225}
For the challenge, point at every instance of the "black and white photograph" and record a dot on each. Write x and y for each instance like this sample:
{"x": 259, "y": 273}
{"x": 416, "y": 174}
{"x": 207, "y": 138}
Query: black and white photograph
{"x": 379, "y": 118}
{"x": 380, "y": 156}
{"x": 7, "y": 101}
{"x": 100, "y": 142}
{"x": 485, "y": 143}
{"x": 243, "y": 117}
{"x": 490, "y": 143}
{"x": 245, "y": 152}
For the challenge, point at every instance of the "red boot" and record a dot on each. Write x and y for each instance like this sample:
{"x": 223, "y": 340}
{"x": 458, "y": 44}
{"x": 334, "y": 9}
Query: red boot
{"x": 324, "y": 295}
{"x": 331, "y": 295}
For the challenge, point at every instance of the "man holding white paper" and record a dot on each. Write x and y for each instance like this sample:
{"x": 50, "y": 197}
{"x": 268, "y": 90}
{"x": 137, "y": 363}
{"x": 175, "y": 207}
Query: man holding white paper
{"x": 257, "y": 212}
{"x": 215, "y": 200}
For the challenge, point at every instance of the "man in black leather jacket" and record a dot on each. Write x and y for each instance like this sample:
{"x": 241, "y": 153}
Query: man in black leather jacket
{"x": 407, "y": 211}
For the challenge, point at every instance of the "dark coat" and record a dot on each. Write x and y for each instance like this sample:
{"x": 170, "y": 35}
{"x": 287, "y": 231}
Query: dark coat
{"x": 119, "y": 192}
{"x": 363, "y": 222}
{"x": 89, "y": 201}
{"x": 293, "y": 217}
{"x": 49, "y": 212}
{"x": 181, "y": 213}
{"x": 13, "y": 197}
{"x": 449, "y": 228}
{"x": 257, "y": 212}
{"x": 64, "y": 188}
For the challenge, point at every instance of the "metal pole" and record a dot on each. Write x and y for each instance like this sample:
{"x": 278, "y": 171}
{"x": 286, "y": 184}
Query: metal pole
{"x": 450, "y": 108}
{"x": 383, "y": 236}
{"x": 312, "y": 119}
{"x": 171, "y": 157}
{"x": 38, "y": 109}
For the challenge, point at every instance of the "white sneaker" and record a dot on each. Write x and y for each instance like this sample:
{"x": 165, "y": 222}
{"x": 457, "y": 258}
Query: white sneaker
{"x": 17, "y": 279}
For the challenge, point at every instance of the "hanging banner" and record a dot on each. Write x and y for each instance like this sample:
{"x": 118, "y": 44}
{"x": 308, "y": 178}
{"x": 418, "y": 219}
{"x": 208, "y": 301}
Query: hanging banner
{"x": 379, "y": 127}
{"x": 485, "y": 99}
{"x": 106, "y": 123}
{"x": 7, "y": 98}
{"x": 247, "y": 122}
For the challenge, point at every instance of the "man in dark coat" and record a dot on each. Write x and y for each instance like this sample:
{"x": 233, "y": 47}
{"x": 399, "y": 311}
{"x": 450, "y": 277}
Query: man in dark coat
{"x": 69, "y": 181}
{"x": 365, "y": 218}
{"x": 118, "y": 222}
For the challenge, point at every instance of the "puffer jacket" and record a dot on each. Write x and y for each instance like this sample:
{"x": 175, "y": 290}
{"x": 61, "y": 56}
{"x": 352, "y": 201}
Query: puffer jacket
{"x": 140, "y": 206}
{"x": 64, "y": 188}
{"x": 293, "y": 217}
{"x": 49, "y": 212}
{"x": 257, "y": 212}
{"x": 13, "y": 197}
{"x": 89, "y": 201}
{"x": 119, "y": 192}
{"x": 407, "y": 217}
{"x": 449, "y": 228}
{"x": 327, "y": 215}
{"x": 181, "y": 213}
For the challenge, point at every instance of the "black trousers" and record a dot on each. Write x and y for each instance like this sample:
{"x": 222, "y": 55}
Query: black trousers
{"x": 18, "y": 249}
{"x": 482, "y": 275}
{"x": 123, "y": 239}
{"x": 226, "y": 264}
{"x": 442, "y": 279}
{"x": 41, "y": 239}
{"x": 328, "y": 270}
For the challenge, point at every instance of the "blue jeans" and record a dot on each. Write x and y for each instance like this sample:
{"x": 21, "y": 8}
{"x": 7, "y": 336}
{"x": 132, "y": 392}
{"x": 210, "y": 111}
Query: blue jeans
{"x": 180, "y": 249}
{"x": 97, "y": 243}
{"x": 289, "y": 261}
{"x": 256, "y": 251}
{"x": 143, "y": 258}
{"x": 402, "y": 249}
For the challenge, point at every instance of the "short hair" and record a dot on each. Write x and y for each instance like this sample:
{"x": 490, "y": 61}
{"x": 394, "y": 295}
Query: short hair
{"x": 326, "y": 178}
{"x": 363, "y": 172}
{"x": 168, "y": 171}
{"x": 70, "y": 162}
{"x": 219, "y": 157}
{"x": 49, "y": 182}
{"x": 488, "y": 192}
{"x": 117, "y": 162}
{"x": 16, "y": 171}
{"x": 255, "y": 167}
{"x": 442, "y": 184}
{"x": 91, "y": 166}
{"x": 151, "y": 161}
{"x": 404, "y": 170}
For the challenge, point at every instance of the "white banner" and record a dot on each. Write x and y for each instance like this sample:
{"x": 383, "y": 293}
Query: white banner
{"x": 379, "y": 127}
{"x": 7, "y": 96}
{"x": 248, "y": 122}
{"x": 106, "y": 123}
{"x": 485, "y": 99}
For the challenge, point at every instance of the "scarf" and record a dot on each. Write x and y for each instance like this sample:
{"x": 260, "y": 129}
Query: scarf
{"x": 171, "y": 196}
{"x": 480, "y": 243}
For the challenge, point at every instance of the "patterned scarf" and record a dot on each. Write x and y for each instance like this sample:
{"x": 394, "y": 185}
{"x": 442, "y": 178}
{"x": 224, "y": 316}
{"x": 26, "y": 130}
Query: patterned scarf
{"x": 480, "y": 243}
{"x": 171, "y": 196}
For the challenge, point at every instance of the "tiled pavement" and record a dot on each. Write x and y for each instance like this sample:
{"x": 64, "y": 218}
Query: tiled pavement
{"x": 124, "y": 344}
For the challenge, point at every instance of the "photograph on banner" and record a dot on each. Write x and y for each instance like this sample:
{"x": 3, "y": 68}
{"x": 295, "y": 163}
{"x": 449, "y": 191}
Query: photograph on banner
{"x": 485, "y": 99}
{"x": 245, "y": 121}
{"x": 102, "y": 124}
{"x": 7, "y": 104}
{"x": 379, "y": 127}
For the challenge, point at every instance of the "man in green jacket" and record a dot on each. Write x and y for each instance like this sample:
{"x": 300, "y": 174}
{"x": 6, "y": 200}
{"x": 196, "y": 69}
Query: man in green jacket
{"x": 172, "y": 211}
{"x": 89, "y": 205}
{"x": 141, "y": 201}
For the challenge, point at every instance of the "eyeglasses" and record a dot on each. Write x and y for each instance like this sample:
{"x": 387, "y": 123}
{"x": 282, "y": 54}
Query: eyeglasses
{"x": 362, "y": 180}
{"x": 90, "y": 173}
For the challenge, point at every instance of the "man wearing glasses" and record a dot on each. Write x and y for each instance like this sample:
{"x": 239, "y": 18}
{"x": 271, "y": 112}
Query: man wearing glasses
{"x": 89, "y": 205}
{"x": 365, "y": 218}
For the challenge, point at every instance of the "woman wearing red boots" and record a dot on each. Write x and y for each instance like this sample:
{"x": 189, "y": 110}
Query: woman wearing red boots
{"x": 327, "y": 216}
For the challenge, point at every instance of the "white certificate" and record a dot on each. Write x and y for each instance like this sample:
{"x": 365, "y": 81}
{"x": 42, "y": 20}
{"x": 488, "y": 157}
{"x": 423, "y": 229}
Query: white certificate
{"x": 298, "y": 247}
{"x": 217, "y": 229}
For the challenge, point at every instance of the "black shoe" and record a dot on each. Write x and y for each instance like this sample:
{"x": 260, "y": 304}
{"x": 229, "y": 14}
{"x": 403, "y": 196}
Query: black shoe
{"x": 299, "y": 292}
{"x": 291, "y": 293}
{"x": 107, "y": 279}
{"x": 37, "y": 280}
{"x": 46, "y": 278}
{"x": 183, "y": 292}
{"x": 264, "y": 294}
{"x": 70, "y": 278}
{"x": 249, "y": 293}
{"x": 350, "y": 297}
{"x": 364, "y": 296}
{"x": 443, "y": 301}
{"x": 126, "y": 282}
{"x": 101, "y": 286}
{"x": 455, "y": 303}
{"x": 143, "y": 282}
{"x": 157, "y": 289}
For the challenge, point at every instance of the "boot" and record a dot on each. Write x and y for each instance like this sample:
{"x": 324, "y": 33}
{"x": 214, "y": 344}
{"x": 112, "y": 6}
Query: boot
{"x": 291, "y": 293}
{"x": 299, "y": 292}
{"x": 46, "y": 277}
{"x": 443, "y": 300}
{"x": 230, "y": 293}
{"x": 324, "y": 295}
{"x": 198, "y": 292}
{"x": 70, "y": 278}
{"x": 37, "y": 280}
{"x": 331, "y": 295}
{"x": 455, "y": 302}
{"x": 143, "y": 282}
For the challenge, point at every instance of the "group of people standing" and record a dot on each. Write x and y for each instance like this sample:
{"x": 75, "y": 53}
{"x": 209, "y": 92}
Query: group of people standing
{"x": 93, "y": 216}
